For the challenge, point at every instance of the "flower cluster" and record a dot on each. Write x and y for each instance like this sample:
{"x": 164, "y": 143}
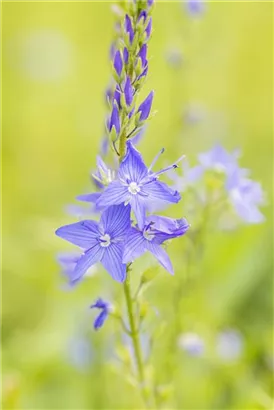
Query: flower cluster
{"x": 218, "y": 166}
{"x": 127, "y": 194}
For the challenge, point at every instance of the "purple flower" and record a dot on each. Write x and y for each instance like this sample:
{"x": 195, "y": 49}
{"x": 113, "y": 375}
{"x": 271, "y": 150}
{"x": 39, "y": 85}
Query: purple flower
{"x": 104, "y": 308}
{"x": 118, "y": 63}
{"x": 128, "y": 91}
{"x": 191, "y": 343}
{"x": 190, "y": 176}
{"x": 129, "y": 28}
{"x": 218, "y": 159}
{"x": 142, "y": 15}
{"x": 195, "y": 7}
{"x": 102, "y": 242}
{"x": 157, "y": 229}
{"x": 68, "y": 261}
{"x": 229, "y": 345}
{"x": 145, "y": 107}
{"x": 150, "y": 3}
{"x": 245, "y": 195}
{"x": 115, "y": 120}
{"x": 137, "y": 185}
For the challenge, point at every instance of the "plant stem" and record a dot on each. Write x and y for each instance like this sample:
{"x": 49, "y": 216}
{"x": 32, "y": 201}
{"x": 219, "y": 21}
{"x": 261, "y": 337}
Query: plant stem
{"x": 134, "y": 334}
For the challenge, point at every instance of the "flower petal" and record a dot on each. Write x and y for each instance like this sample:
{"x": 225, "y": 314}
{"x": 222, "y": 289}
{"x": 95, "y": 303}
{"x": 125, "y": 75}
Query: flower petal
{"x": 132, "y": 168}
{"x": 90, "y": 257}
{"x": 114, "y": 194}
{"x": 112, "y": 262}
{"x": 89, "y": 197}
{"x": 116, "y": 220}
{"x": 138, "y": 206}
{"x": 158, "y": 192}
{"x": 83, "y": 233}
{"x": 161, "y": 255}
{"x": 100, "y": 320}
{"x": 135, "y": 245}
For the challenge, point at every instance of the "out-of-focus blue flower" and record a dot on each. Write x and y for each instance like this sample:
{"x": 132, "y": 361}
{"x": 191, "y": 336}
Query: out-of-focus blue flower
{"x": 246, "y": 196}
{"x": 174, "y": 57}
{"x": 80, "y": 353}
{"x": 104, "y": 308}
{"x": 189, "y": 177}
{"x": 145, "y": 107}
{"x": 125, "y": 55}
{"x": 195, "y": 7}
{"x": 138, "y": 186}
{"x": 218, "y": 159}
{"x": 229, "y": 345}
{"x": 191, "y": 343}
{"x": 102, "y": 242}
{"x": 156, "y": 231}
{"x": 68, "y": 262}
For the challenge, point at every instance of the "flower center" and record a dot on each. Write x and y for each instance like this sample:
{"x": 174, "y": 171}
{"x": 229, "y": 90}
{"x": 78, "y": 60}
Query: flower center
{"x": 133, "y": 188}
{"x": 105, "y": 240}
{"x": 148, "y": 235}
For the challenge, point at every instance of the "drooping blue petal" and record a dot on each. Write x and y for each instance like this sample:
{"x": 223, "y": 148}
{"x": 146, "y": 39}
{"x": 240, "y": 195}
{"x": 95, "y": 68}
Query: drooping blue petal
{"x": 117, "y": 97}
{"x": 93, "y": 197}
{"x": 90, "y": 257}
{"x": 83, "y": 233}
{"x": 100, "y": 320}
{"x": 116, "y": 220}
{"x": 112, "y": 261}
{"x": 145, "y": 107}
{"x": 139, "y": 208}
{"x": 135, "y": 245}
{"x": 132, "y": 168}
{"x": 100, "y": 304}
{"x": 114, "y": 194}
{"x": 161, "y": 255}
{"x": 118, "y": 62}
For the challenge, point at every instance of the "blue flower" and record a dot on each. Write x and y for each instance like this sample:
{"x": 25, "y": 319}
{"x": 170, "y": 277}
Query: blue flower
{"x": 191, "y": 343}
{"x": 104, "y": 308}
{"x": 102, "y": 242}
{"x": 195, "y": 7}
{"x": 138, "y": 186}
{"x": 68, "y": 261}
{"x": 157, "y": 230}
{"x": 245, "y": 195}
{"x": 218, "y": 159}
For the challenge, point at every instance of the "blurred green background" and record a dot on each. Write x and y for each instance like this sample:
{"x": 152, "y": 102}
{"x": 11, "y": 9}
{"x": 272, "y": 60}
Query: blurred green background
{"x": 55, "y": 71}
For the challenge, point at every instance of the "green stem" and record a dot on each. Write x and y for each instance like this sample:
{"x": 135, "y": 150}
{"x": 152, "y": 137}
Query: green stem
{"x": 135, "y": 338}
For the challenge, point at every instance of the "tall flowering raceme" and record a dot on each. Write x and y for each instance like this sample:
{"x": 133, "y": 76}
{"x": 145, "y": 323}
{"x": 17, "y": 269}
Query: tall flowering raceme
{"x": 128, "y": 194}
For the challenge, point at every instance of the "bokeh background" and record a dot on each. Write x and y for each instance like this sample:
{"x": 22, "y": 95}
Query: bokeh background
{"x": 212, "y": 76}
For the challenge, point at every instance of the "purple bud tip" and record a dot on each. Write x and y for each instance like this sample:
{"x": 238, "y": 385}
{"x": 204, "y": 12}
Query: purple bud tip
{"x": 143, "y": 15}
{"x": 117, "y": 97}
{"x": 125, "y": 55}
{"x": 118, "y": 63}
{"x": 150, "y": 3}
{"x": 128, "y": 91}
{"x": 149, "y": 27}
{"x": 115, "y": 120}
{"x": 145, "y": 107}
{"x": 129, "y": 28}
{"x": 143, "y": 55}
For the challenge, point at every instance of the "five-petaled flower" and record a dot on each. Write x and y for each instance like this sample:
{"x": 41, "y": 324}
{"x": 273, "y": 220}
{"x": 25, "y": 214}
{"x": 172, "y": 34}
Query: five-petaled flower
{"x": 104, "y": 308}
{"x": 138, "y": 186}
{"x": 157, "y": 230}
{"x": 101, "y": 241}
